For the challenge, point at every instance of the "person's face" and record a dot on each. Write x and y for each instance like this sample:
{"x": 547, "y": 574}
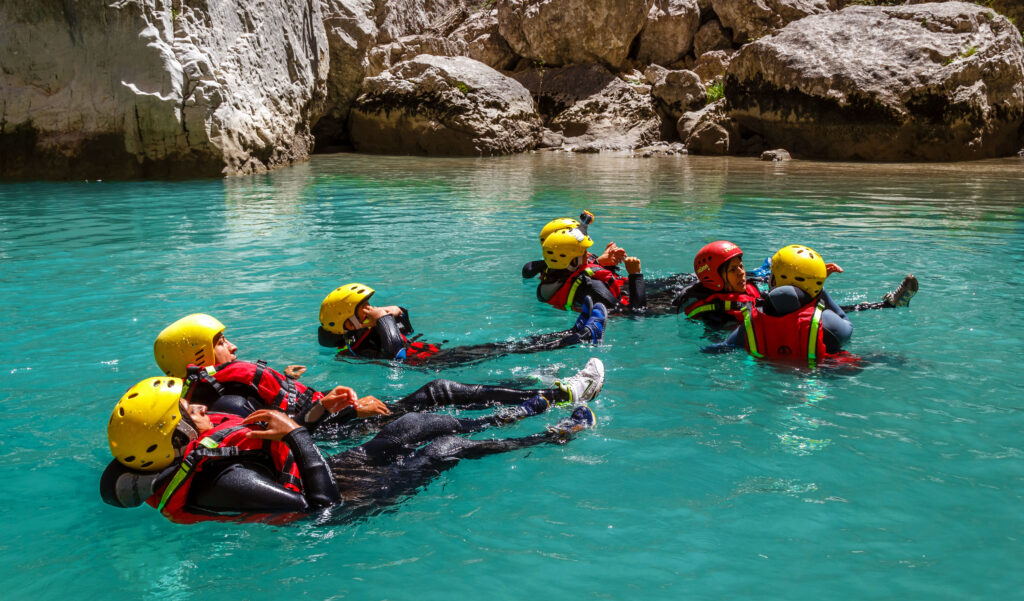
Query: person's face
{"x": 735, "y": 275}
{"x": 359, "y": 317}
{"x": 223, "y": 350}
{"x": 197, "y": 413}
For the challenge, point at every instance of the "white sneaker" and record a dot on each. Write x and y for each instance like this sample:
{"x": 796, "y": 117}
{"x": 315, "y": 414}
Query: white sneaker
{"x": 587, "y": 382}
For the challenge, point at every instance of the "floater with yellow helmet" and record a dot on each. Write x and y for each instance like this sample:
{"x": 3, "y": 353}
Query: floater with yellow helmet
{"x": 142, "y": 426}
{"x": 340, "y": 306}
{"x": 566, "y": 250}
{"x": 799, "y": 266}
{"x": 188, "y": 341}
{"x": 563, "y": 247}
{"x": 390, "y": 342}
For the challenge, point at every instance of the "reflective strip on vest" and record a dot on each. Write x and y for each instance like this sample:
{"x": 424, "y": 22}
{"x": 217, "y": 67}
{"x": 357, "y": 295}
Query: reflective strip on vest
{"x": 751, "y": 338}
{"x": 186, "y": 466}
{"x": 726, "y": 306}
{"x": 812, "y": 339}
{"x": 575, "y": 285}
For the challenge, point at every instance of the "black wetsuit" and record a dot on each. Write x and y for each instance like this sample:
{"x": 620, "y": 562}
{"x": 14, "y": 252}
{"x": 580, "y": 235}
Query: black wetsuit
{"x": 388, "y": 341}
{"x": 403, "y": 457}
{"x": 429, "y": 397}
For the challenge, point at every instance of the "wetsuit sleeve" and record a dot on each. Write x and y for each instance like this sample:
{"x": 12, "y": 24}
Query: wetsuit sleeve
{"x": 532, "y": 268}
{"x": 836, "y": 330}
{"x": 317, "y": 481}
{"x": 831, "y": 305}
{"x": 637, "y": 291}
{"x": 733, "y": 342}
{"x": 392, "y": 345}
{"x": 403, "y": 322}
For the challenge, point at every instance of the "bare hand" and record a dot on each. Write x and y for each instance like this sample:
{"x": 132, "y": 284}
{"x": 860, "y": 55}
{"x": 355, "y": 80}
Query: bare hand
{"x": 369, "y": 406}
{"x": 278, "y": 424}
{"x": 339, "y": 398}
{"x": 295, "y": 371}
{"x": 612, "y": 255}
{"x": 632, "y": 265}
{"x": 831, "y": 268}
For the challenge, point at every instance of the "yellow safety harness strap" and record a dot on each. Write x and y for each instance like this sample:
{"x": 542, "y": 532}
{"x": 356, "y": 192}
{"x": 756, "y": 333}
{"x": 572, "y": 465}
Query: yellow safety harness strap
{"x": 812, "y": 339}
{"x": 572, "y": 289}
{"x": 751, "y": 338}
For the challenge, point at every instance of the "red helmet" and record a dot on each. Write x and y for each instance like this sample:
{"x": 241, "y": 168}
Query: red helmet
{"x": 710, "y": 259}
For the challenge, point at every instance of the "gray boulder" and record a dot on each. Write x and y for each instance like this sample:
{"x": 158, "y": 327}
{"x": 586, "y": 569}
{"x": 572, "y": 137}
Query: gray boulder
{"x": 134, "y": 89}
{"x": 924, "y": 82}
{"x": 563, "y": 32}
{"x": 751, "y": 19}
{"x": 592, "y": 108}
{"x": 437, "y": 105}
{"x": 710, "y": 37}
{"x": 668, "y": 35}
{"x": 678, "y": 92}
{"x": 708, "y": 131}
{"x": 383, "y": 57}
{"x": 351, "y": 33}
{"x": 483, "y": 41}
{"x": 712, "y": 65}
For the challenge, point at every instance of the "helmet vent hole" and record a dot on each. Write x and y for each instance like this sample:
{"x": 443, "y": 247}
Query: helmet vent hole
{"x": 151, "y": 448}
{"x": 799, "y": 279}
{"x": 133, "y": 395}
{"x": 129, "y": 459}
{"x": 146, "y": 464}
{"x": 156, "y": 383}
{"x": 120, "y": 411}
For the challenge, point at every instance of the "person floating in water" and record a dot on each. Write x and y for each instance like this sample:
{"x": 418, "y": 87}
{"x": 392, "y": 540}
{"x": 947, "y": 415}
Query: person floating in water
{"x": 571, "y": 274}
{"x": 195, "y": 349}
{"x": 796, "y": 320}
{"x": 349, "y": 322}
{"x": 193, "y": 466}
{"x": 611, "y": 258}
{"x": 725, "y": 288}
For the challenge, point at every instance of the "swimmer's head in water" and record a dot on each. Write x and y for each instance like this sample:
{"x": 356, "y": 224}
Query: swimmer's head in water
{"x": 709, "y": 262}
{"x": 562, "y": 223}
{"x": 188, "y": 341}
{"x": 564, "y": 247}
{"x": 340, "y": 307}
{"x": 799, "y": 266}
{"x": 143, "y": 425}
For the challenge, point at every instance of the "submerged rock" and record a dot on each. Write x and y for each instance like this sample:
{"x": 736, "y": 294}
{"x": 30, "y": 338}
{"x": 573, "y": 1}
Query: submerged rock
{"x": 563, "y": 32}
{"x": 437, "y": 105}
{"x": 668, "y": 35}
{"x": 779, "y": 154}
{"x": 144, "y": 89}
{"x": 592, "y": 108}
{"x": 921, "y": 82}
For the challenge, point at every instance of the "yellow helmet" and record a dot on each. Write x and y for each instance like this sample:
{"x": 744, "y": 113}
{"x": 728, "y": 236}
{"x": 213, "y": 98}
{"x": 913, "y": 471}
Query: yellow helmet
{"x": 142, "y": 425}
{"x": 561, "y": 247}
{"x": 562, "y": 223}
{"x": 188, "y": 341}
{"x": 799, "y": 266}
{"x": 340, "y": 305}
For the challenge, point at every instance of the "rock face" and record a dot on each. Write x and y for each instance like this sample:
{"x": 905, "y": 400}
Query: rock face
{"x": 564, "y": 32}
{"x": 668, "y": 35}
{"x": 678, "y": 92}
{"x": 148, "y": 88}
{"x": 483, "y": 42}
{"x": 351, "y": 32}
{"x": 711, "y": 37}
{"x": 751, "y": 19}
{"x": 437, "y": 105}
{"x": 922, "y": 82}
{"x": 592, "y": 108}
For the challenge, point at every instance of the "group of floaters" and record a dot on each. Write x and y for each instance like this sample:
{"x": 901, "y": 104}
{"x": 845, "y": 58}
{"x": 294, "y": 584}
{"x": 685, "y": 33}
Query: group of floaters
{"x": 216, "y": 437}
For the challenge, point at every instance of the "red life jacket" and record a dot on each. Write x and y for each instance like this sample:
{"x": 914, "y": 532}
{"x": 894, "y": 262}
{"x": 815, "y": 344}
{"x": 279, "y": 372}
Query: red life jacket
{"x": 564, "y": 297}
{"x": 730, "y": 303}
{"x": 796, "y": 335}
{"x": 227, "y": 440}
{"x": 415, "y": 351}
{"x": 257, "y": 380}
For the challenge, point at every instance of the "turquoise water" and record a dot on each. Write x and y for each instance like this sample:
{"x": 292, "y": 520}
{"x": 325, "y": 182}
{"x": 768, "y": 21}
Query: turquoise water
{"x": 707, "y": 477}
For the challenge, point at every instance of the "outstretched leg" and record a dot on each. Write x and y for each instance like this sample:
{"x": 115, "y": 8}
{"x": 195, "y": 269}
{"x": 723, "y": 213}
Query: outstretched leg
{"x": 444, "y": 393}
{"x": 900, "y": 297}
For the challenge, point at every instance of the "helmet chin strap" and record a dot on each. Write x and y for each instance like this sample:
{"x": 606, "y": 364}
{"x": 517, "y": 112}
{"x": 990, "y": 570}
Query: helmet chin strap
{"x": 187, "y": 428}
